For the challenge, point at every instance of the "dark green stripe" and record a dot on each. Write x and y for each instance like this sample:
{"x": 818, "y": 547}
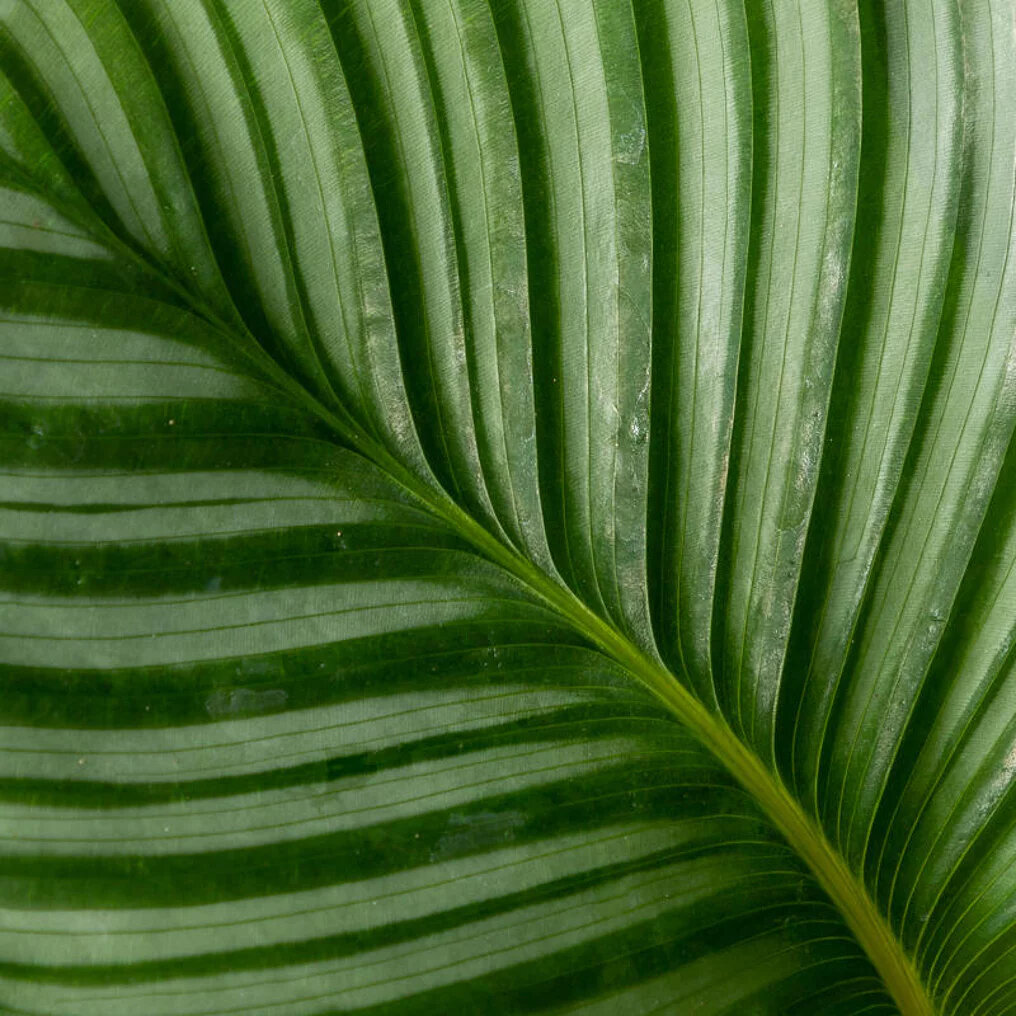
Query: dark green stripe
{"x": 481, "y": 652}
{"x": 626, "y": 792}
{"x": 766, "y": 889}
{"x": 575, "y": 725}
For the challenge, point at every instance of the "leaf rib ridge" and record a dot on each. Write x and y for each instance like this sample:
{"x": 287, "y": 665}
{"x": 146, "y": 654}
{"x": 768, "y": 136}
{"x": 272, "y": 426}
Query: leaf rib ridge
{"x": 801, "y": 832}
{"x": 460, "y": 560}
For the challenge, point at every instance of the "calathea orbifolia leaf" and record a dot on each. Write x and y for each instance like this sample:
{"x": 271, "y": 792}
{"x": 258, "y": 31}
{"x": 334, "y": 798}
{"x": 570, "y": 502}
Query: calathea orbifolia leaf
{"x": 506, "y": 507}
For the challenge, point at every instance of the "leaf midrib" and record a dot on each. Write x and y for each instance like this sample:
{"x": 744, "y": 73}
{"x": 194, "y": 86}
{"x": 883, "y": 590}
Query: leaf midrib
{"x": 800, "y": 830}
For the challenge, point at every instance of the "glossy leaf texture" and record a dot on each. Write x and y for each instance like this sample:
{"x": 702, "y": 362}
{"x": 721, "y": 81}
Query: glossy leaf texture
{"x": 507, "y": 506}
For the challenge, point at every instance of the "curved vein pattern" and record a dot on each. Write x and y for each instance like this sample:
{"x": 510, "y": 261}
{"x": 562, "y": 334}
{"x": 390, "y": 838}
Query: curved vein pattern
{"x": 433, "y": 433}
{"x": 330, "y": 760}
{"x": 579, "y": 102}
{"x": 700, "y": 121}
{"x": 911, "y": 154}
{"x": 967, "y": 422}
{"x": 806, "y": 90}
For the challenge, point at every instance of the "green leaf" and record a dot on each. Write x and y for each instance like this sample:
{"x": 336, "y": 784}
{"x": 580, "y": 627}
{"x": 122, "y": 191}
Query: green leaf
{"x": 507, "y": 507}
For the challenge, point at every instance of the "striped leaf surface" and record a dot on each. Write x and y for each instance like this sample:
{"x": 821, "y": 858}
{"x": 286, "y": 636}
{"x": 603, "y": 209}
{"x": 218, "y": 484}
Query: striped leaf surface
{"x": 507, "y": 506}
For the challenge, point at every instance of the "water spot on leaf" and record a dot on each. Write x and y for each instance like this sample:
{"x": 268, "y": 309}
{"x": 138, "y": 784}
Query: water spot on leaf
{"x": 237, "y": 701}
{"x": 476, "y": 831}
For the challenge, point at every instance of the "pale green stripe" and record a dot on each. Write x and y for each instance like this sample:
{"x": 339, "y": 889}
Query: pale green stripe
{"x": 94, "y": 936}
{"x": 277, "y": 816}
{"x": 39, "y": 631}
{"x": 198, "y": 522}
{"x": 27, "y": 380}
{"x": 347, "y": 482}
{"x": 28, "y": 223}
{"x": 261, "y": 743}
{"x": 62, "y": 339}
{"x": 383, "y": 975}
